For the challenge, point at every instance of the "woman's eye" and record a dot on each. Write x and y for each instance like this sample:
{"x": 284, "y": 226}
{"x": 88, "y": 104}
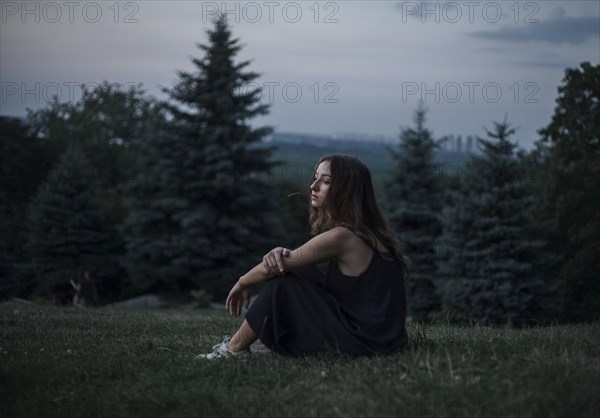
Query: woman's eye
{"x": 326, "y": 182}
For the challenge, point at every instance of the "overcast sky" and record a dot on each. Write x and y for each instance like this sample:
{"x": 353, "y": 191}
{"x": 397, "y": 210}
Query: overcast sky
{"x": 327, "y": 67}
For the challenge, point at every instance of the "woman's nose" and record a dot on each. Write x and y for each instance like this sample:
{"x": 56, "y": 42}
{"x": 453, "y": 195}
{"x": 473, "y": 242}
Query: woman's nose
{"x": 314, "y": 186}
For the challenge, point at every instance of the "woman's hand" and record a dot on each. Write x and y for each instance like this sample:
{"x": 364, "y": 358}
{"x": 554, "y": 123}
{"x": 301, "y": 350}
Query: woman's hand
{"x": 273, "y": 261}
{"x": 239, "y": 296}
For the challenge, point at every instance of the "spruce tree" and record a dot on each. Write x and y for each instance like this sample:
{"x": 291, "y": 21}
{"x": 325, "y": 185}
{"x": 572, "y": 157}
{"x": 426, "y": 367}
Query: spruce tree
{"x": 202, "y": 208}
{"x": 569, "y": 150}
{"x": 414, "y": 203}
{"x": 67, "y": 232}
{"x": 108, "y": 123}
{"x": 490, "y": 256}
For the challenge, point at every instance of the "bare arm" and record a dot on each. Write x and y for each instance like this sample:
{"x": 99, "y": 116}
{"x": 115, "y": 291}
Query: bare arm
{"x": 256, "y": 275}
{"x": 321, "y": 248}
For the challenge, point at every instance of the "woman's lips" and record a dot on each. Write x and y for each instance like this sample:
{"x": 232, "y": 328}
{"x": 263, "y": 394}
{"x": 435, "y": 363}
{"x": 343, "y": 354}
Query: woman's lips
{"x": 313, "y": 197}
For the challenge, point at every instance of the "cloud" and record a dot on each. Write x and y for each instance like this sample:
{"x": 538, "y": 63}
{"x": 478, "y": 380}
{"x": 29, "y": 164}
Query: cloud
{"x": 558, "y": 29}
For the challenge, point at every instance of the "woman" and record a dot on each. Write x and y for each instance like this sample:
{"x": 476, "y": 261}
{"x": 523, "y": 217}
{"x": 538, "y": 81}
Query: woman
{"x": 358, "y": 307}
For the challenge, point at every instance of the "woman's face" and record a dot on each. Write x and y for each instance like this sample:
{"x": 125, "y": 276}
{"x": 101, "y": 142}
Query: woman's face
{"x": 320, "y": 185}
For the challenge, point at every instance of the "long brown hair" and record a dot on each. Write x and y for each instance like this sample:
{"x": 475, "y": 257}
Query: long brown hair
{"x": 351, "y": 203}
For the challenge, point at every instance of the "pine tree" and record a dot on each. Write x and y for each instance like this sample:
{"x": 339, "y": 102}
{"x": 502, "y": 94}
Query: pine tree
{"x": 414, "y": 203}
{"x": 203, "y": 210}
{"x": 109, "y": 124}
{"x": 570, "y": 197}
{"x": 67, "y": 230}
{"x": 489, "y": 267}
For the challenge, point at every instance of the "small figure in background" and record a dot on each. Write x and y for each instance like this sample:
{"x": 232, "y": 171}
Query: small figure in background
{"x": 77, "y": 287}
{"x": 85, "y": 291}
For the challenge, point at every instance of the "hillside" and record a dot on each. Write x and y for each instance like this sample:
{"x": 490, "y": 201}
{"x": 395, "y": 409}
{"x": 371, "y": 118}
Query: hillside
{"x": 105, "y": 362}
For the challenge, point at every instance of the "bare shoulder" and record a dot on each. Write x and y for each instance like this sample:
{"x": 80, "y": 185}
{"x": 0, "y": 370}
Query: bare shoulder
{"x": 340, "y": 238}
{"x": 348, "y": 240}
{"x": 353, "y": 241}
{"x": 340, "y": 233}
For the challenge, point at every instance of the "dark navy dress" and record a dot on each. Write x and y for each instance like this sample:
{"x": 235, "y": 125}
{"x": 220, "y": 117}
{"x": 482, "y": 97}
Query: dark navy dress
{"x": 306, "y": 312}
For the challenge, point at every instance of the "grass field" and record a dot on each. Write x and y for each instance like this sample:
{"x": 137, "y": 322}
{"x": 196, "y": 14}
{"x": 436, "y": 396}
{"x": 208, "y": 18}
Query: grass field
{"x": 104, "y": 362}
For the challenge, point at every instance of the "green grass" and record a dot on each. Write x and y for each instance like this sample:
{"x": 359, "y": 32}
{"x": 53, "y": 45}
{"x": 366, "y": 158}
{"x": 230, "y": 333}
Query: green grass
{"x": 103, "y": 362}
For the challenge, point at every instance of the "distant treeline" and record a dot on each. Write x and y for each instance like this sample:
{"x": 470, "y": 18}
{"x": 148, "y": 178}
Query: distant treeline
{"x": 304, "y": 151}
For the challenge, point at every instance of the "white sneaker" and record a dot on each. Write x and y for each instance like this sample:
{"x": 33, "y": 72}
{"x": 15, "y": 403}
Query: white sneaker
{"x": 221, "y": 351}
{"x": 260, "y": 349}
